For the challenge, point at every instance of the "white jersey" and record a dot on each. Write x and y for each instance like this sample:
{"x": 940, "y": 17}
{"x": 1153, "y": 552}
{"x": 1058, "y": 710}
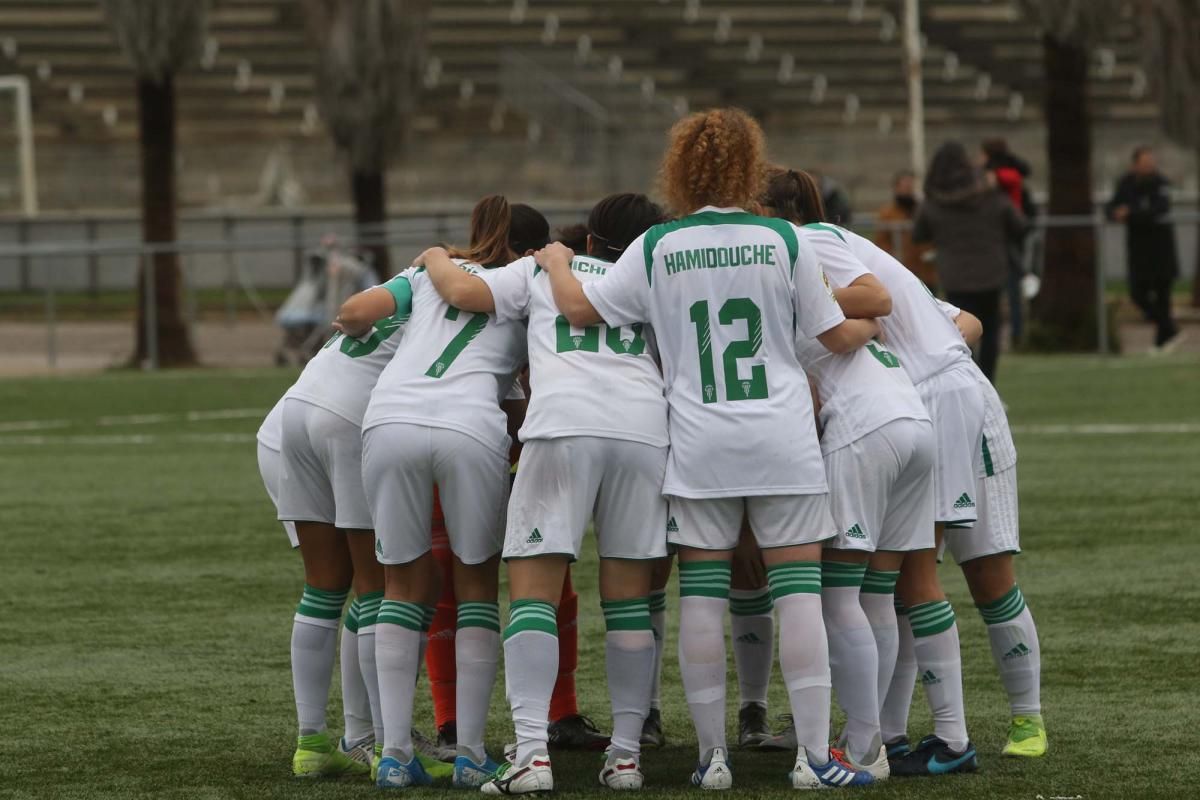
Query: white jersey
{"x": 452, "y": 368}
{"x": 270, "y": 433}
{"x": 340, "y": 377}
{"x": 916, "y": 330}
{"x": 593, "y": 381}
{"x": 725, "y": 291}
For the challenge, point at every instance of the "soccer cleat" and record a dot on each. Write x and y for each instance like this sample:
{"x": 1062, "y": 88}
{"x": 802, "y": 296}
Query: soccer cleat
{"x": 533, "y": 777}
{"x": 833, "y": 774}
{"x": 362, "y": 751}
{"x": 934, "y": 757}
{"x": 785, "y": 739}
{"x": 898, "y": 748}
{"x": 622, "y": 771}
{"x": 576, "y": 732}
{"x": 752, "y": 725}
{"x": 469, "y": 775}
{"x": 392, "y": 774}
{"x": 431, "y": 750}
{"x": 652, "y": 732}
{"x": 879, "y": 769}
{"x": 714, "y": 774}
{"x": 1026, "y": 737}
{"x": 317, "y": 757}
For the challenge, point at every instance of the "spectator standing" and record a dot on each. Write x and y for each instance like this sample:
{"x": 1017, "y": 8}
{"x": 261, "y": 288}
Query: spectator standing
{"x": 837, "y": 202}
{"x": 1142, "y": 201}
{"x": 901, "y": 211}
{"x": 1010, "y": 173}
{"x": 970, "y": 225}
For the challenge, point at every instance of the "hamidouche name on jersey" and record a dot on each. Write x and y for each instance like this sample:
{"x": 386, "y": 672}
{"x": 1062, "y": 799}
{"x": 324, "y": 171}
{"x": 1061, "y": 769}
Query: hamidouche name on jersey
{"x": 746, "y": 255}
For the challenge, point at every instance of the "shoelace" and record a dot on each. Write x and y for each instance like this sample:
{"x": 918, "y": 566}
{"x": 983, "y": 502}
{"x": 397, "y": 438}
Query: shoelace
{"x": 841, "y": 757}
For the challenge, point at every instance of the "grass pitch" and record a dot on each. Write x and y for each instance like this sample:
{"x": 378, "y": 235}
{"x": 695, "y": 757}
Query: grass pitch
{"x": 147, "y": 595}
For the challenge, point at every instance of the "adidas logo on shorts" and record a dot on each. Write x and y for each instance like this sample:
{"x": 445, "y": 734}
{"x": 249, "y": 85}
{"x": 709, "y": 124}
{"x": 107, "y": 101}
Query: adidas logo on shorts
{"x": 535, "y": 537}
{"x": 671, "y": 526}
{"x": 856, "y": 532}
{"x": 964, "y": 501}
{"x": 379, "y": 547}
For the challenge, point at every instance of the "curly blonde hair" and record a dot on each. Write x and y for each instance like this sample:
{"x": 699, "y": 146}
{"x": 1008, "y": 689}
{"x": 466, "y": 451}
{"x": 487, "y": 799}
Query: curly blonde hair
{"x": 714, "y": 158}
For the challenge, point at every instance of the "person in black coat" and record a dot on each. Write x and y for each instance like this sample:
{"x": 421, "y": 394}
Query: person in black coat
{"x": 1142, "y": 201}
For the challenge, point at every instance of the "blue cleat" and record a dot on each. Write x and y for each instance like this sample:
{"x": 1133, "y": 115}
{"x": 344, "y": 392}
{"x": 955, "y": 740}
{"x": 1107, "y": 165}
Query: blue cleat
{"x": 392, "y": 774}
{"x": 469, "y": 775}
{"x": 934, "y": 757}
{"x": 898, "y": 748}
{"x": 833, "y": 774}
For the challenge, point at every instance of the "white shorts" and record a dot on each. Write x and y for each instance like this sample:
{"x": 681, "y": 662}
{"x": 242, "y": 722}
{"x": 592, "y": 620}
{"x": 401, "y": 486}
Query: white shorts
{"x": 401, "y": 465}
{"x": 997, "y": 451}
{"x": 270, "y": 466}
{"x": 564, "y": 483}
{"x": 781, "y": 520}
{"x": 998, "y": 529}
{"x": 322, "y": 468}
{"x": 880, "y": 489}
{"x": 955, "y": 404}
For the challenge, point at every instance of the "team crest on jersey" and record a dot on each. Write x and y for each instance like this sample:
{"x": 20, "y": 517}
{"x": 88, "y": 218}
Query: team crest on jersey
{"x": 709, "y": 390}
{"x": 439, "y": 368}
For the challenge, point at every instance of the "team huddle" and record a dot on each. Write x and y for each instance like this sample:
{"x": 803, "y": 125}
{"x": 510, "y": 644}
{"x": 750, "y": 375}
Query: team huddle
{"x": 770, "y": 401}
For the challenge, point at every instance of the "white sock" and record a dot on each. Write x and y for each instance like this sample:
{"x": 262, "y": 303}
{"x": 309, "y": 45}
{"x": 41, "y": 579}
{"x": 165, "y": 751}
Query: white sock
{"x": 752, "y": 624}
{"x": 703, "y": 604}
{"x": 398, "y": 660}
{"x": 1016, "y": 651}
{"x": 476, "y": 658}
{"x": 629, "y": 662}
{"x": 940, "y": 665}
{"x": 658, "y": 623}
{"x": 314, "y": 646}
{"x": 881, "y": 616}
{"x": 356, "y": 706}
{"x": 530, "y": 670}
{"x": 854, "y": 667}
{"x": 804, "y": 652}
{"x": 370, "y": 676}
{"x": 893, "y": 711}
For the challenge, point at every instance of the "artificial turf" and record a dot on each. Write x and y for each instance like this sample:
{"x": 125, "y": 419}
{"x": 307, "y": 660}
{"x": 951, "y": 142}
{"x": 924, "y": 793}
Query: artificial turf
{"x": 147, "y": 594}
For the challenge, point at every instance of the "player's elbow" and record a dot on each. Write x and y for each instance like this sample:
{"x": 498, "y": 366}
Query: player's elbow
{"x": 356, "y": 314}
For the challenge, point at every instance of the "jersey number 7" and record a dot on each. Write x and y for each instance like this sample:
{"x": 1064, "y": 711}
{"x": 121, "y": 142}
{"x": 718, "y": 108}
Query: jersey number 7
{"x": 475, "y": 324}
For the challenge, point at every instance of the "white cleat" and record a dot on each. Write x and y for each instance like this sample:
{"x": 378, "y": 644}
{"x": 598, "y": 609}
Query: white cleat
{"x": 622, "y": 772}
{"x": 716, "y": 774}
{"x": 532, "y": 777}
{"x": 362, "y": 751}
{"x": 878, "y": 769}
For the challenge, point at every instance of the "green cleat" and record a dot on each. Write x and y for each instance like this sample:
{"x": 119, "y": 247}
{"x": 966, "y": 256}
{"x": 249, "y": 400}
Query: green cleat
{"x": 1026, "y": 737}
{"x": 318, "y": 757}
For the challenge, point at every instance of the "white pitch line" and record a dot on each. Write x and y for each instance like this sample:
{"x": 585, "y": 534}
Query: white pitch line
{"x": 226, "y": 413}
{"x": 135, "y": 419}
{"x": 126, "y": 439}
{"x": 35, "y": 425}
{"x": 1110, "y": 429}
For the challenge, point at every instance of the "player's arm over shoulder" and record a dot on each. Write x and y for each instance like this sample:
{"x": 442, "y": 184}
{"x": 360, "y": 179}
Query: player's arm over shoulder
{"x": 458, "y": 287}
{"x": 361, "y": 311}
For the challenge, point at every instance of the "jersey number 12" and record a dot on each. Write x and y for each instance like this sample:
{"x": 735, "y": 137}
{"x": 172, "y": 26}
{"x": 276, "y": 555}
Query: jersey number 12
{"x": 736, "y": 388}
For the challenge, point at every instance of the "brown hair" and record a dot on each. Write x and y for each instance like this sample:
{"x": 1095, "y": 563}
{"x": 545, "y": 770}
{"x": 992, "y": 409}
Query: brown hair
{"x": 713, "y": 158}
{"x": 794, "y": 195}
{"x": 490, "y": 222}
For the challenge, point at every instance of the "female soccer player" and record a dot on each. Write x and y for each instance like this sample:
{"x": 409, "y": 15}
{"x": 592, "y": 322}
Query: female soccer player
{"x": 724, "y": 291}
{"x": 938, "y": 362}
{"x": 435, "y": 418}
{"x": 595, "y": 446}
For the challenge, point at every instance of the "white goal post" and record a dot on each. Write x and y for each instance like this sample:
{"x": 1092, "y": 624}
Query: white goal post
{"x": 23, "y": 115}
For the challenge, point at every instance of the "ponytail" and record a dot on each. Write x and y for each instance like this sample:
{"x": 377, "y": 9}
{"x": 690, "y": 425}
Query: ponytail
{"x": 490, "y": 222}
{"x": 793, "y": 195}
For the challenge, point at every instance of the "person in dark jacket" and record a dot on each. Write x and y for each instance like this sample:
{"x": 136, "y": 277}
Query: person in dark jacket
{"x": 1142, "y": 201}
{"x": 970, "y": 223}
{"x": 1011, "y": 174}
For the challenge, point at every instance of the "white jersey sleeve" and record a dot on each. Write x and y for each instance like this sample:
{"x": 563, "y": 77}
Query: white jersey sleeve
{"x": 838, "y": 262}
{"x": 950, "y": 310}
{"x": 510, "y": 288}
{"x": 622, "y": 297}
{"x": 816, "y": 309}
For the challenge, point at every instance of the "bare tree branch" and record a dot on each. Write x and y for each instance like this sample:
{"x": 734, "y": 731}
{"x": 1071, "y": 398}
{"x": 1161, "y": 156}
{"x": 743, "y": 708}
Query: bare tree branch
{"x": 159, "y": 38}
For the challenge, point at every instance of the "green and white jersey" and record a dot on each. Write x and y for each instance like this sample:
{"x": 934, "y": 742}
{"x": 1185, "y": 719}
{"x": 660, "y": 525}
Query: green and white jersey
{"x": 340, "y": 377}
{"x": 593, "y": 381}
{"x": 725, "y": 291}
{"x": 916, "y": 331}
{"x": 452, "y": 368}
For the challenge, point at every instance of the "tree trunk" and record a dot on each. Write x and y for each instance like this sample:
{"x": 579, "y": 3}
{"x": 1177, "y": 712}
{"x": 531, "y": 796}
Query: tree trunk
{"x": 370, "y": 214}
{"x": 1196, "y": 272}
{"x": 1065, "y": 310}
{"x": 156, "y": 129}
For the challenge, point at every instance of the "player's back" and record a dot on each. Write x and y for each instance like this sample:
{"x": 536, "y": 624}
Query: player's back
{"x": 452, "y": 368}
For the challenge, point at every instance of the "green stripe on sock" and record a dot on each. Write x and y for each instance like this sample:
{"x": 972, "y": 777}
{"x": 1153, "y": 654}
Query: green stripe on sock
{"x": 839, "y": 574}
{"x": 704, "y": 579}
{"x": 479, "y": 615}
{"x": 427, "y": 617}
{"x": 751, "y": 603}
{"x": 928, "y": 619}
{"x": 626, "y": 615}
{"x": 794, "y": 577}
{"x": 658, "y": 601}
{"x": 1007, "y": 607}
{"x": 322, "y": 604}
{"x": 368, "y": 608}
{"x": 901, "y": 611}
{"x": 351, "y": 618}
{"x": 880, "y": 581}
{"x": 402, "y": 613}
{"x": 531, "y": 615}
